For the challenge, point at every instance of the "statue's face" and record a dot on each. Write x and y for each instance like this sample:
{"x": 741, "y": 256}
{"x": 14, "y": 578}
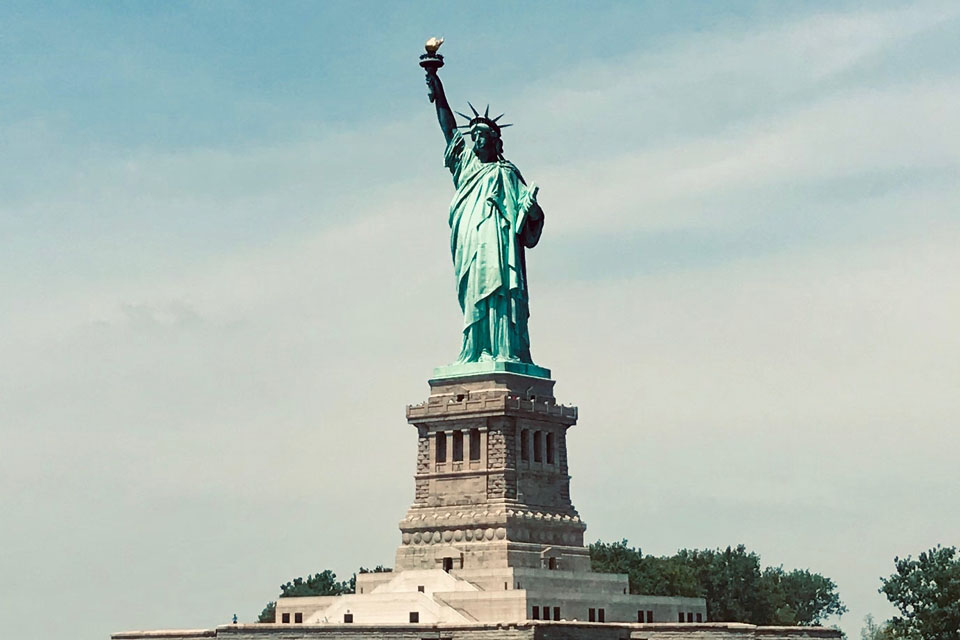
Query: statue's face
{"x": 484, "y": 143}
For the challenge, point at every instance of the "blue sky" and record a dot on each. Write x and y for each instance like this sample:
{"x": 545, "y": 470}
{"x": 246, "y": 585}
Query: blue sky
{"x": 224, "y": 265}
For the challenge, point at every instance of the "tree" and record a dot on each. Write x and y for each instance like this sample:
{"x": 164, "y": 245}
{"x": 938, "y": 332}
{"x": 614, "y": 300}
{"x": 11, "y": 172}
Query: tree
{"x": 927, "y": 593}
{"x": 800, "y": 597}
{"x": 377, "y": 569}
{"x": 319, "y": 584}
{"x": 269, "y": 613}
{"x": 648, "y": 574}
{"x": 873, "y": 631}
{"x": 731, "y": 580}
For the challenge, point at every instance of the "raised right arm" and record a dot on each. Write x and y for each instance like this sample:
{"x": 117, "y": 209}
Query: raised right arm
{"x": 444, "y": 114}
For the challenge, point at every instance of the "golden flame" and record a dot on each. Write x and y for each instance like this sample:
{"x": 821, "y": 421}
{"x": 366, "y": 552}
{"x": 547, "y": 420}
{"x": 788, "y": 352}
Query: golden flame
{"x": 432, "y": 45}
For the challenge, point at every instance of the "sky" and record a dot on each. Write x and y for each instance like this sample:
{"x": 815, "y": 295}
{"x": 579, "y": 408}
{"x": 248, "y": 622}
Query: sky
{"x": 225, "y": 270}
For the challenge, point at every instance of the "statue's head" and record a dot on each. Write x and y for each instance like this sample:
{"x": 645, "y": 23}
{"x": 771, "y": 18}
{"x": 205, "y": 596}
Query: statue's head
{"x": 487, "y": 143}
{"x": 485, "y": 133}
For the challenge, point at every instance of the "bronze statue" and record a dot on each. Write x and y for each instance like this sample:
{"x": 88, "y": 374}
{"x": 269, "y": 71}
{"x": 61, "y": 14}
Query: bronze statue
{"x": 494, "y": 218}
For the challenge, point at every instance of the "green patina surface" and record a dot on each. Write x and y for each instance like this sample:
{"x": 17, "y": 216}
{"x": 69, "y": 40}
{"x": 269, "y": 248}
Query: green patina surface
{"x": 490, "y": 227}
{"x": 494, "y": 219}
{"x": 462, "y": 369}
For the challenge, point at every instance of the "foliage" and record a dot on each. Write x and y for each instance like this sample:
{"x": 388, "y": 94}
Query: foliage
{"x": 800, "y": 597}
{"x": 319, "y": 584}
{"x": 269, "y": 613}
{"x": 731, "y": 580}
{"x": 927, "y": 593}
{"x": 324, "y": 583}
{"x": 873, "y": 631}
{"x": 377, "y": 569}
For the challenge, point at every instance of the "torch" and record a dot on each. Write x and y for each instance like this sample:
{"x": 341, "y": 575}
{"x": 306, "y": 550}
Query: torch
{"x": 431, "y": 60}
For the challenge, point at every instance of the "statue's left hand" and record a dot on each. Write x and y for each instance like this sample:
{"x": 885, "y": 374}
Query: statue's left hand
{"x": 530, "y": 201}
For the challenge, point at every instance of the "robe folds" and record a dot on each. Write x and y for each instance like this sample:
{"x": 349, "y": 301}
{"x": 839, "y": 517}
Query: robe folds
{"x": 490, "y": 225}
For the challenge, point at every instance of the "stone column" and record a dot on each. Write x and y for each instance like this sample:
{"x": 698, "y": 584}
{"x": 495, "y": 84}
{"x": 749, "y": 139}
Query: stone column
{"x": 483, "y": 447}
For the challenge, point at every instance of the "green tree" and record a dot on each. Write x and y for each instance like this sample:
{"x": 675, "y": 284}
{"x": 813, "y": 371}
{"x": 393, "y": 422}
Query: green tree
{"x": 732, "y": 581}
{"x": 319, "y": 584}
{"x": 377, "y": 569}
{"x": 871, "y": 630}
{"x": 324, "y": 583}
{"x": 269, "y": 613}
{"x": 799, "y": 597}
{"x": 648, "y": 574}
{"x": 927, "y": 593}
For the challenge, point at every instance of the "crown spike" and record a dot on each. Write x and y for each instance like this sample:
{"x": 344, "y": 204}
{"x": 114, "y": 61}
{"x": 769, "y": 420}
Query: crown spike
{"x": 504, "y": 126}
{"x": 486, "y": 112}
{"x": 473, "y": 109}
{"x": 498, "y": 117}
{"x": 462, "y": 115}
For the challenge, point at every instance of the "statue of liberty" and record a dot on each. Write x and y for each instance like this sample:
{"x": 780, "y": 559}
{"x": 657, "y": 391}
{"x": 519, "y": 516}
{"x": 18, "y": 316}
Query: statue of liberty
{"x": 494, "y": 218}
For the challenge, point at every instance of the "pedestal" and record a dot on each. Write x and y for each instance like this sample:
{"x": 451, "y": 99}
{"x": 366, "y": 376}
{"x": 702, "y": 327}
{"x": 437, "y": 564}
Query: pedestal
{"x": 492, "y": 486}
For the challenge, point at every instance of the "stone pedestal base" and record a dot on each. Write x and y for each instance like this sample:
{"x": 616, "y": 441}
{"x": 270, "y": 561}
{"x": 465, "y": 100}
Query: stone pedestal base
{"x": 492, "y": 488}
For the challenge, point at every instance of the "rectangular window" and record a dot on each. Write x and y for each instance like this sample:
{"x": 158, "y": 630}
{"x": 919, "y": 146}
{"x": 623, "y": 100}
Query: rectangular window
{"x": 639, "y": 616}
{"x": 600, "y": 615}
{"x": 347, "y": 618}
{"x": 285, "y": 618}
{"x": 298, "y": 617}
{"x": 420, "y": 588}
{"x": 680, "y": 617}
{"x": 690, "y": 617}
{"x": 414, "y": 616}
{"x": 536, "y": 612}
{"x": 649, "y": 616}
{"x": 550, "y": 453}
{"x": 441, "y": 447}
{"x": 458, "y": 446}
{"x": 537, "y": 443}
{"x": 556, "y": 613}
{"x": 474, "y": 444}
{"x": 592, "y": 615}
{"x": 699, "y": 617}
{"x": 524, "y": 445}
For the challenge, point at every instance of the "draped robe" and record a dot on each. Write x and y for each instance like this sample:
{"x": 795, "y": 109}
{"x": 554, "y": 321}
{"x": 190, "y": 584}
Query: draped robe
{"x": 490, "y": 225}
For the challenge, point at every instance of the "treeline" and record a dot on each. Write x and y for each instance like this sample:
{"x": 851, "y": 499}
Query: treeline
{"x": 732, "y": 581}
{"x": 737, "y": 588}
{"x": 926, "y": 591}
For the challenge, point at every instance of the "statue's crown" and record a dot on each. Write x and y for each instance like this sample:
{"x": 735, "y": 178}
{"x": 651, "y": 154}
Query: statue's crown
{"x": 485, "y": 120}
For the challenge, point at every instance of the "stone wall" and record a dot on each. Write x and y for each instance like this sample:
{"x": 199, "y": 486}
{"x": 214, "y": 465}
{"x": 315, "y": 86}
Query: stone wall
{"x": 531, "y": 630}
{"x": 167, "y": 634}
{"x": 423, "y": 450}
